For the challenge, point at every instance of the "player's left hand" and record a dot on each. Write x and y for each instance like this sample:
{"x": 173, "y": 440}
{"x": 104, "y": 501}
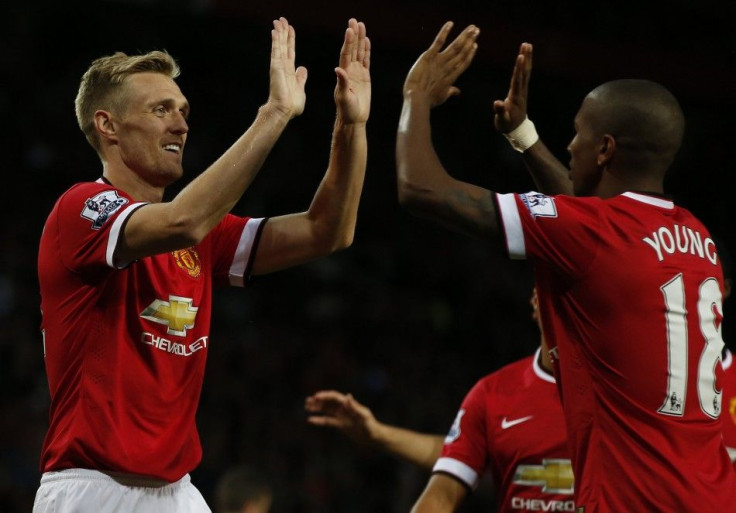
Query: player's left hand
{"x": 512, "y": 111}
{"x": 353, "y": 89}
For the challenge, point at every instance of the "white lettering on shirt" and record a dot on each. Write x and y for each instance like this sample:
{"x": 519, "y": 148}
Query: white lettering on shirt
{"x": 681, "y": 239}
{"x": 521, "y": 503}
{"x": 177, "y": 348}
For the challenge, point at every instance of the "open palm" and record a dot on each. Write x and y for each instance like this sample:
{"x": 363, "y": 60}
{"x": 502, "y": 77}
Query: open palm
{"x": 287, "y": 82}
{"x": 353, "y": 89}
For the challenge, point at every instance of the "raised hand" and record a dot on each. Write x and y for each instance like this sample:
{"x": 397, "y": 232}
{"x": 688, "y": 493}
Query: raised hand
{"x": 342, "y": 412}
{"x": 436, "y": 70}
{"x": 287, "y": 83}
{"x": 353, "y": 89}
{"x": 509, "y": 113}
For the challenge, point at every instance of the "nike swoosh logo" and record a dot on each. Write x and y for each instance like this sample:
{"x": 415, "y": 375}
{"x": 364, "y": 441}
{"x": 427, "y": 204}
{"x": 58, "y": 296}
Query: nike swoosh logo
{"x": 505, "y": 424}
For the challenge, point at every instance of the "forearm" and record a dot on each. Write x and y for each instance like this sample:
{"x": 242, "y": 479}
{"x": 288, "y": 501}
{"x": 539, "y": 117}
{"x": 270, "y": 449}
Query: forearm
{"x": 419, "y": 170}
{"x": 431, "y": 505}
{"x": 443, "y": 494}
{"x": 212, "y": 194}
{"x": 427, "y": 190}
{"x": 549, "y": 174}
{"x": 420, "y": 449}
{"x": 334, "y": 208}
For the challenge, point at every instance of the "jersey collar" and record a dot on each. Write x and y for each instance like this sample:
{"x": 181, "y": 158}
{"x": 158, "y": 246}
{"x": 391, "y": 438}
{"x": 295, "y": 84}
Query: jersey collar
{"x": 657, "y": 201}
{"x": 538, "y": 370}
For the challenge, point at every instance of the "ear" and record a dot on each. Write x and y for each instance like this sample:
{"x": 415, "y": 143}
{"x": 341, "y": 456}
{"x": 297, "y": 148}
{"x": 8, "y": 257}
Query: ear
{"x": 605, "y": 152}
{"x": 105, "y": 125}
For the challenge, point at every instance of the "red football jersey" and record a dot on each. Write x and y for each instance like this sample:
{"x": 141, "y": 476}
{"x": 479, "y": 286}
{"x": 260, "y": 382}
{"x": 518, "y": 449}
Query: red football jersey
{"x": 511, "y": 424}
{"x": 728, "y": 416}
{"x": 125, "y": 343}
{"x": 630, "y": 298}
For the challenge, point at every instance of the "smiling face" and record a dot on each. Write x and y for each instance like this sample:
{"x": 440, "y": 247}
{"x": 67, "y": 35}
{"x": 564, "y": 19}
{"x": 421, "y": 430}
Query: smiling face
{"x": 151, "y": 127}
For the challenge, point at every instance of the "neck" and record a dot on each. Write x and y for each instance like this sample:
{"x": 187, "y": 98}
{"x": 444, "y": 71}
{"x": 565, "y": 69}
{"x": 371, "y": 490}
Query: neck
{"x": 615, "y": 181}
{"x": 130, "y": 182}
{"x": 544, "y": 360}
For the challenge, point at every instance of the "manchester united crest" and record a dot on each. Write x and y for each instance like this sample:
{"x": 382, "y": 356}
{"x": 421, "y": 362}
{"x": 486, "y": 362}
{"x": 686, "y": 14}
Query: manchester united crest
{"x": 188, "y": 260}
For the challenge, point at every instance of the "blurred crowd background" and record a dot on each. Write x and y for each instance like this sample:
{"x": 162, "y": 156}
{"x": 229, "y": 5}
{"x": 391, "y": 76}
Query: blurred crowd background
{"x": 409, "y": 317}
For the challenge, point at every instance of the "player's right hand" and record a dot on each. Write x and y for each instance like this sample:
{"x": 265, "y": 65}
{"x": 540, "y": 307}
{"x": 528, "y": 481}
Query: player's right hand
{"x": 286, "y": 91}
{"x": 435, "y": 72}
{"x": 342, "y": 412}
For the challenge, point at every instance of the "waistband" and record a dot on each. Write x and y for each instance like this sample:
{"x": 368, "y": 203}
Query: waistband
{"x": 121, "y": 478}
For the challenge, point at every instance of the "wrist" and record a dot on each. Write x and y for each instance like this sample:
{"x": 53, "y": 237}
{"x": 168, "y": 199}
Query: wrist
{"x": 274, "y": 111}
{"x": 416, "y": 95}
{"x": 344, "y": 124}
{"x": 523, "y": 136}
{"x": 376, "y": 433}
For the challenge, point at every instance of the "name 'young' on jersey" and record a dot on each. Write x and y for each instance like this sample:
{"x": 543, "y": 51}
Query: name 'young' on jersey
{"x": 630, "y": 293}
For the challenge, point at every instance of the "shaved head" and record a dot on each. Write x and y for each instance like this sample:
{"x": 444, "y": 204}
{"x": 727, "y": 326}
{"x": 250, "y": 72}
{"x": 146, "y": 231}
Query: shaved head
{"x": 643, "y": 117}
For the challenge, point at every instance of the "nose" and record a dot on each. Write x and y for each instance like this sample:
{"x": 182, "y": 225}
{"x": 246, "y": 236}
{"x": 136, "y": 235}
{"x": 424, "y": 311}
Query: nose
{"x": 180, "y": 125}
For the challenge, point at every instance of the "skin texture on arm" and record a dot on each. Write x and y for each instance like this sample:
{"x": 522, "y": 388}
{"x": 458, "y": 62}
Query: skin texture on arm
{"x": 424, "y": 186}
{"x": 443, "y": 494}
{"x": 344, "y": 413}
{"x": 329, "y": 223}
{"x": 549, "y": 174}
{"x": 197, "y": 209}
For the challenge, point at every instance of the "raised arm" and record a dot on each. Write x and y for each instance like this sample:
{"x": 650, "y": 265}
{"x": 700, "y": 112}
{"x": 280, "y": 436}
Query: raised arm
{"x": 196, "y": 210}
{"x": 329, "y": 223}
{"x": 424, "y": 186}
{"x": 343, "y": 412}
{"x": 548, "y": 173}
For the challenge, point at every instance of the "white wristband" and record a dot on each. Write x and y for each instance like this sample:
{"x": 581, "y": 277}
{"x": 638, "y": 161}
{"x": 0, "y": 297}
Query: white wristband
{"x": 523, "y": 136}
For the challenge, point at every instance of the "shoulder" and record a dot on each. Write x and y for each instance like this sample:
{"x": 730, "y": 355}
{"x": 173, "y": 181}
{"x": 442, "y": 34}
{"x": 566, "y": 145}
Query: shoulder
{"x": 506, "y": 374}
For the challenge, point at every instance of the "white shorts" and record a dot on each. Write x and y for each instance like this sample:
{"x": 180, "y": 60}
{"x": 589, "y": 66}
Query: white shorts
{"x": 90, "y": 491}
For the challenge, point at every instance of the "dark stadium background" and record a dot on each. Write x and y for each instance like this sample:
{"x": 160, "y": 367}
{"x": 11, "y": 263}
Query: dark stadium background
{"x": 411, "y": 315}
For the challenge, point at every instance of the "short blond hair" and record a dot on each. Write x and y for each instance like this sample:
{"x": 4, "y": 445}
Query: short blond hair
{"x": 103, "y": 79}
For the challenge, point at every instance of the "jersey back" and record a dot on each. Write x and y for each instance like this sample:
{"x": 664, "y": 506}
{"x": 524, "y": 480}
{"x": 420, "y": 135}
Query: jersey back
{"x": 630, "y": 295}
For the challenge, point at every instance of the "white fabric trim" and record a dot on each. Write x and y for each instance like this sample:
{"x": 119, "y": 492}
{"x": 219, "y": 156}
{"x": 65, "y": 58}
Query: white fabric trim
{"x": 457, "y": 469}
{"x": 651, "y": 200}
{"x": 243, "y": 252}
{"x": 539, "y": 371}
{"x": 509, "y": 215}
{"x": 732, "y": 453}
{"x": 114, "y": 236}
{"x": 727, "y": 360}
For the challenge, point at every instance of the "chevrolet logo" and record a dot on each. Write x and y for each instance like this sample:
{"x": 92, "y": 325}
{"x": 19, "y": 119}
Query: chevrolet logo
{"x": 177, "y": 314}
{"x": 553, "y": 475}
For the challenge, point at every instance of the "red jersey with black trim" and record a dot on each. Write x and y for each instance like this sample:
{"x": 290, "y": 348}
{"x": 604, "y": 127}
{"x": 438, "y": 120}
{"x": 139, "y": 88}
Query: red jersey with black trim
{"x": 125, "y": 344}
{"x": 728, "y": 415}
{"x": 511, "y": 424}
{"x": 630, "y": 297}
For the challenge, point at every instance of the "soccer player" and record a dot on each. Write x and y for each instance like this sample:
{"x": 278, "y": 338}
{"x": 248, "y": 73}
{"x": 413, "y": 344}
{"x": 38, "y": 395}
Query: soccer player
{"x": 630, "y": 285}
{"x": 126, "y": 278}
{"x": 510, "y": 424}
